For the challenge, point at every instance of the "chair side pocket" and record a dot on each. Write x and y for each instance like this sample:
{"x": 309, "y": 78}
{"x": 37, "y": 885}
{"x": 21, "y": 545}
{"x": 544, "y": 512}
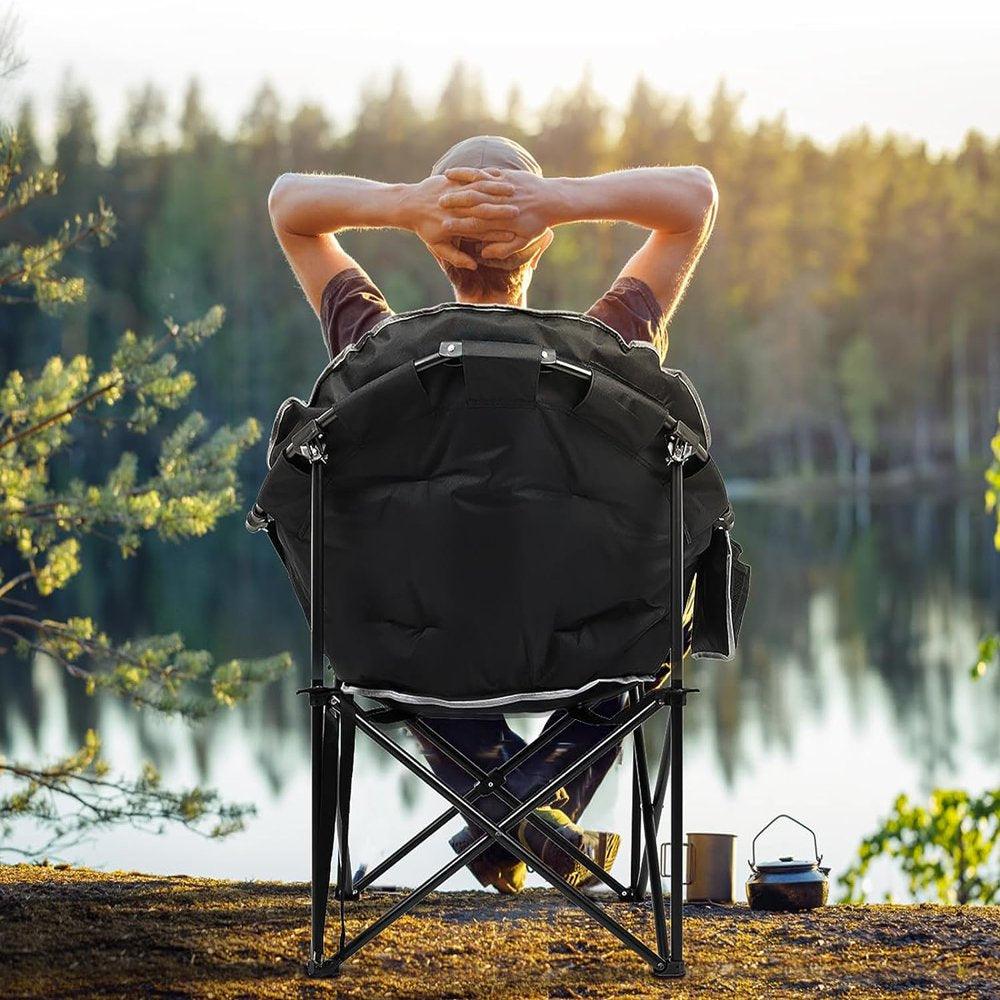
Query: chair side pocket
{"x": 721, "y": 595}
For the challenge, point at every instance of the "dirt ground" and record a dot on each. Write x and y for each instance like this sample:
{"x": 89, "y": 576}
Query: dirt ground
{"x": 81, "y": 933}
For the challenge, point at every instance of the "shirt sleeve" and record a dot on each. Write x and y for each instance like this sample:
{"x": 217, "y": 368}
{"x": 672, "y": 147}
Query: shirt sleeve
{"x": 351, "y": 305}
{"x": 630, "y": 308}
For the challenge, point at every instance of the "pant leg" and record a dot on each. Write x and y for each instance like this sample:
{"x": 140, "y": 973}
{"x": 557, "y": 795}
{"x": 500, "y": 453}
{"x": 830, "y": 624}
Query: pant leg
{"x": 491, "y": 741}
{"x": 577, "y": 740}
{"x": 487, "y": 741}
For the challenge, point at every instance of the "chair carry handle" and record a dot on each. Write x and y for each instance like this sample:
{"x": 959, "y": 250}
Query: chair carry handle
{"x": 455, "y": 350}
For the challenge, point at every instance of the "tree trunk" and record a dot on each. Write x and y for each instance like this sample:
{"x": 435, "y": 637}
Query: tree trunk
{"x": 804, "y": 449}
{"x": 922, "y": 438}
{"x": 862, "y": 469}
{"x": 842, "y": 446}
{"x": 960, "y": 390}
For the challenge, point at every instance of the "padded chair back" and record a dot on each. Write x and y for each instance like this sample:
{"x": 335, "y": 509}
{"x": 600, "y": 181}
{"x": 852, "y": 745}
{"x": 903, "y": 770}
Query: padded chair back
{"x": 496, "y": 524}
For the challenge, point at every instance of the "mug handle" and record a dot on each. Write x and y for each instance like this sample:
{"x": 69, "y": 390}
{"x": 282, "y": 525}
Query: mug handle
{"x": 690, "y": 861}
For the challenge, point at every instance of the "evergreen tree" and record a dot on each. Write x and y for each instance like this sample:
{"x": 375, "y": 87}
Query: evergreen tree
{"x": 816, "y": 250}
{"x": 197, "y": 129}
{"x": 44, "y": 515}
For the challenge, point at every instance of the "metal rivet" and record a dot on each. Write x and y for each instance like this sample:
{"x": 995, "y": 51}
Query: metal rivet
{"x": 451, "y": 348}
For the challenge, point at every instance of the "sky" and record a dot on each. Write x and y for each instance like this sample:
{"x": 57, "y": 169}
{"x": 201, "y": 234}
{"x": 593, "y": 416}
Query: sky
{"x": 930, "y": 71}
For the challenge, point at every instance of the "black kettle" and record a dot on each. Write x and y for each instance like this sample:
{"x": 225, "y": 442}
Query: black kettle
{"x": 787, "y": 884}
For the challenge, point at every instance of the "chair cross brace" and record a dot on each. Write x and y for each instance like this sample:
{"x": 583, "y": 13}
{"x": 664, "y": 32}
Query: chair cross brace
{"x": 490, "y": 783}
{"x": 660, "y": 960}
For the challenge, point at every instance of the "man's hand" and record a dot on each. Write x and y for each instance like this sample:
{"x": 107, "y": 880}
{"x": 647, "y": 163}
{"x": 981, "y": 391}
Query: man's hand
{"x": 677, "y": 205}
{"x": 485, "y": 193}
{"x": 308, "y": 210}
{"x": 490, "y": 219}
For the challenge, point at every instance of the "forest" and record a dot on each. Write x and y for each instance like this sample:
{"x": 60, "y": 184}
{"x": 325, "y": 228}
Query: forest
{"x": 844, "y": 323}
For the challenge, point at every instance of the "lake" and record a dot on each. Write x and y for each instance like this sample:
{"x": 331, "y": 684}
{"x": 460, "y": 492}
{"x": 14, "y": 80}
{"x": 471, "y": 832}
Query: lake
{"x": 851, "y": 686}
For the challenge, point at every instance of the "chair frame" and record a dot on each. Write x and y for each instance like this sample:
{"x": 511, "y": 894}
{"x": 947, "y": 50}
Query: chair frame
{"x": 336, "y": 717}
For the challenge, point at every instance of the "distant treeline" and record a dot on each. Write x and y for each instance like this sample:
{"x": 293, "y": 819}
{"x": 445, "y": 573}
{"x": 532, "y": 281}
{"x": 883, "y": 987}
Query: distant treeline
{"x": 845, "y": 318}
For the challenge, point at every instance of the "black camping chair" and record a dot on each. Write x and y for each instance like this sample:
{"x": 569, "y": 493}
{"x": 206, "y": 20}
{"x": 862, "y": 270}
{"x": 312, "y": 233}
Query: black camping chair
{"x": 492, "y": 510}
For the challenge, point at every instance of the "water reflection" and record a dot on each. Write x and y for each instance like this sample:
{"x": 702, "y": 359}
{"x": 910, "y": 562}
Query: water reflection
{"x": 851, "y": 685}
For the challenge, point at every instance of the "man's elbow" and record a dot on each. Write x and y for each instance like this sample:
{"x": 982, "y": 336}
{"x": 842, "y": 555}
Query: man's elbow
{"x": 706, "y": 197}
{"x": 278, "y": 197}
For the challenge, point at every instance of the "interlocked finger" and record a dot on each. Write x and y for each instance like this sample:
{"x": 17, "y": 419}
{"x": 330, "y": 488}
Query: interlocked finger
{"x": 469, "y": 175}
{"x": 447, "y": 251}
{"x": 486, "y": 210}
{"x": 475, "y": 194}
{"x": 484, "y": 229}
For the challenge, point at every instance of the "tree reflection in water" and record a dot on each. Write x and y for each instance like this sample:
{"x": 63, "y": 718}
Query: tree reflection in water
{"x": 862, "y": 624}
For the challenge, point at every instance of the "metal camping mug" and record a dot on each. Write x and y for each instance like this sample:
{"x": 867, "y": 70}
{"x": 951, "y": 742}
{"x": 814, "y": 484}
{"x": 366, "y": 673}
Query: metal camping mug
{"x": 711, "y": 865}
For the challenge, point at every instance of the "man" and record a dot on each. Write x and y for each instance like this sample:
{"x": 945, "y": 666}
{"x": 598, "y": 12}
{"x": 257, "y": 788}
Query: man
{"x": 487, "y": 214}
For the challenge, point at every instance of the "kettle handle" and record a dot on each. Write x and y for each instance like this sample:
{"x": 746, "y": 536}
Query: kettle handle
{"x": 753, "y": 846}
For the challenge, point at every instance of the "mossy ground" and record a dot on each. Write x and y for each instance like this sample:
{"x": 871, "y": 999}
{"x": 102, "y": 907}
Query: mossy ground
{"x": 81, "y": 933}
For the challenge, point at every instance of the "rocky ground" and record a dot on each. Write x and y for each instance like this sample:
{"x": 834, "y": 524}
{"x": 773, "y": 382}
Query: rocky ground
{"x": 81, "y": 933}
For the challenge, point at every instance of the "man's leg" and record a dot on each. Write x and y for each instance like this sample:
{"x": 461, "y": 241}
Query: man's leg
{"x": 577, "y": 739}
{"x": 489, "y": 742}
{"x": 562, "y": 814}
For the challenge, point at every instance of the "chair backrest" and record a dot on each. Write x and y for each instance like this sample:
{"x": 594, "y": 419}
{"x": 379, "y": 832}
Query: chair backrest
{"x": 497, "y": 510}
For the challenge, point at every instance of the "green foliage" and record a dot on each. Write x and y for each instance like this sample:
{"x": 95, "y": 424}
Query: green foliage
{"x": 863, "y": 391}
{"x": 988, "y": 655}
{"x": 30, "y": 273}
{"x": 195, "y": 482}
{"x": 949, "y": 849}
{"x": 989, "y": 647}
{"x": 97, "y": 799}
{"x": 993, "y": 484}
{"x": 44, "y": 514}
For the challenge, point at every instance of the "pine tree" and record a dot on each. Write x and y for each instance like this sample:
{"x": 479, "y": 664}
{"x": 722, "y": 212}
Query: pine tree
{"x": 197, "y": 129}
{"x": 44, "y": 515}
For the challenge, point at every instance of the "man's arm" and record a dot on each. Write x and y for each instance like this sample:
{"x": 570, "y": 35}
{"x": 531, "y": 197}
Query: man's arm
{"x": 678, "y": 205}
{"x": 307, "y": 210}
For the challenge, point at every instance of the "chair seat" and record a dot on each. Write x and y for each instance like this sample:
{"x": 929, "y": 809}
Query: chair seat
{"x": 524, "y": 703}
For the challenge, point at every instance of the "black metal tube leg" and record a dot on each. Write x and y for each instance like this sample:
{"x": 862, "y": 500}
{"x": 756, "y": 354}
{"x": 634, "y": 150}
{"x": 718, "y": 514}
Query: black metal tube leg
{"x": 649, "y": 830}
{"x": 659, "y": 797}
{"x": 676, "y": 716}
{"x": 317, "y": 645}
{"x": 636, "y": 837}
{"x": 676, "y": 837}
{"x": 635, "y": 888}
{"x": 318, "y": 905}
{"x": 345, "y": 776}
{"x": 320, "y": 885}
{"x": 326, "y": 788}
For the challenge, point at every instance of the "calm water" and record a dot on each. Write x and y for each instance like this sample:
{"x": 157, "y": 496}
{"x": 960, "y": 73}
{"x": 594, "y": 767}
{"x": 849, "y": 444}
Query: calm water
{"x": 851, "y": 686}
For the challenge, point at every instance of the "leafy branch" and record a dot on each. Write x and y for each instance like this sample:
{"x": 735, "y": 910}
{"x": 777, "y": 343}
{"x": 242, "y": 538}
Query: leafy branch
{"x": 950, "y": 848}
{"x": 192, "y": 484}
{"x": 989, "y": 646}
{"x": 30, "y": 273}
{"x": 75, "y": 796}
